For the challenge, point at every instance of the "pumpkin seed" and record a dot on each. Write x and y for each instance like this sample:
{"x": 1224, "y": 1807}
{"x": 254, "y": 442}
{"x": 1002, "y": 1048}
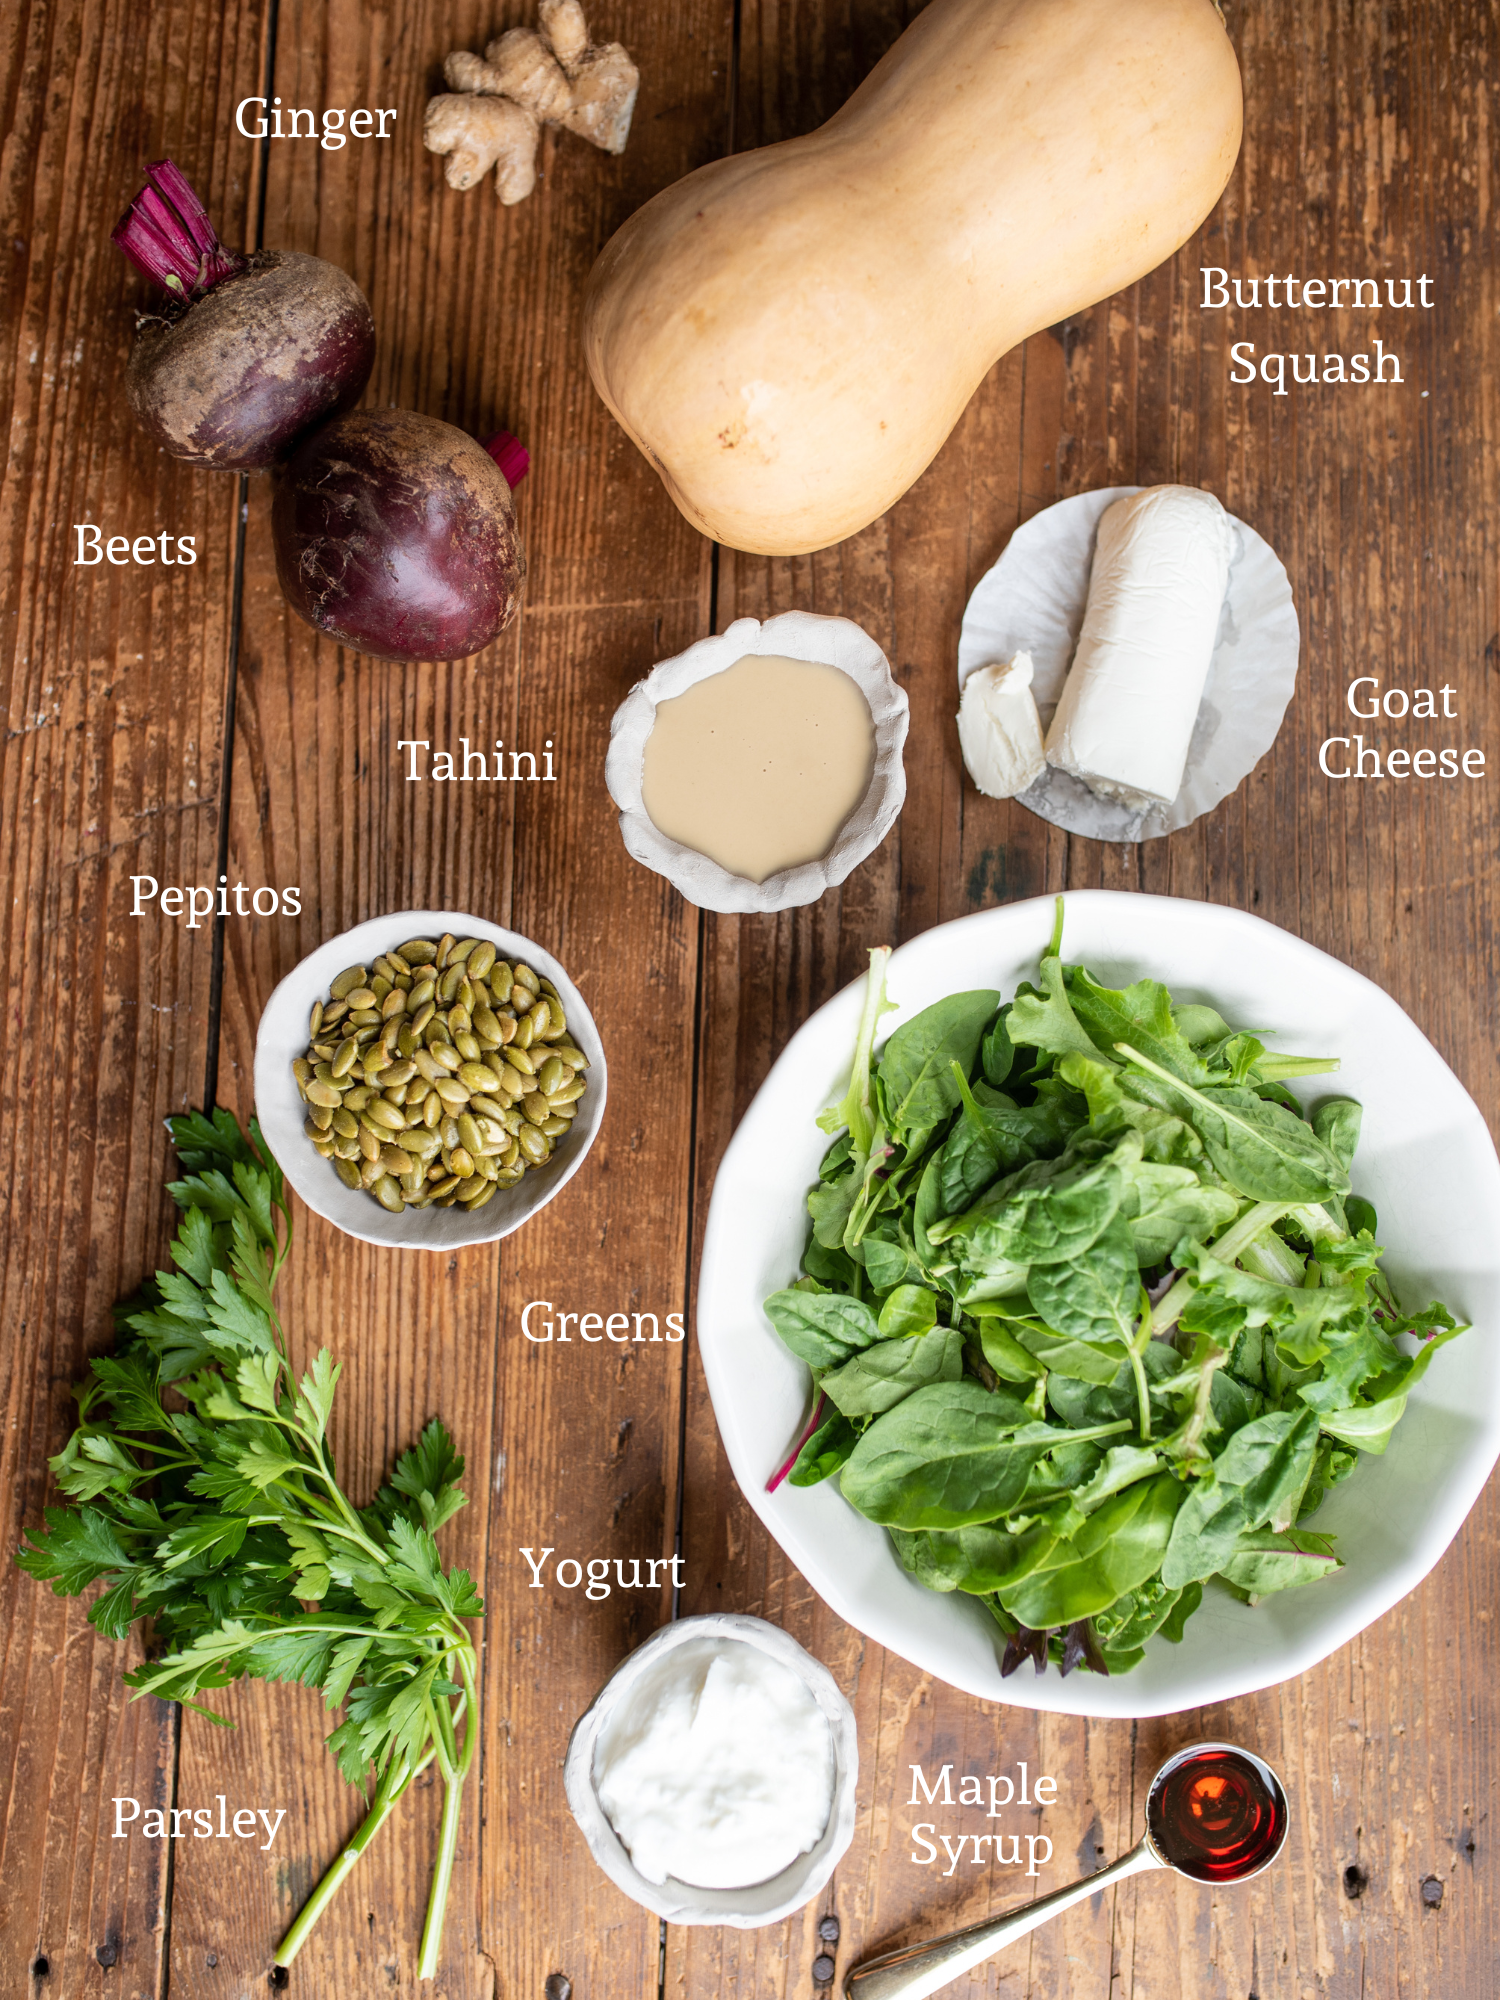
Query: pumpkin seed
{"x": 438, "y": 1073}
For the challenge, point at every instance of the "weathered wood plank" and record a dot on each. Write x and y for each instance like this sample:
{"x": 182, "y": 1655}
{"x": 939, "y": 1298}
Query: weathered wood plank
{"x": 1380, "y": 505}
{"x": 112, "y": 693}
{"x": 569, "y": 1446}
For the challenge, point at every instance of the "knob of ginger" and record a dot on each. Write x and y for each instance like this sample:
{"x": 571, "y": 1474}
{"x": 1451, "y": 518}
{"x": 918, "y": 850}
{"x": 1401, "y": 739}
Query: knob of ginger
{"x": 527, "y": 78}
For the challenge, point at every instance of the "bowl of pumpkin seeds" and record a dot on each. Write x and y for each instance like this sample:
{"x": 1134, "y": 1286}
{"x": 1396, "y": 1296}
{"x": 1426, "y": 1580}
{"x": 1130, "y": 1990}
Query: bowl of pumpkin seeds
{"x": 428, "y": 1079}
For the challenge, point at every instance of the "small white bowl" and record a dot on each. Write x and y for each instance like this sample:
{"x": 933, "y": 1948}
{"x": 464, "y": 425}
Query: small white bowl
{"x": 282, "y": 1037}
{"x": 680, "y": 1902}
{"x": 794, "y": 635}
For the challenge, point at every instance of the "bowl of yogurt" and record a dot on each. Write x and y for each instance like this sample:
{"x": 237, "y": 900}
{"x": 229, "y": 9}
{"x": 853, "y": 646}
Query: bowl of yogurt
{"x": 714, "y": 1776}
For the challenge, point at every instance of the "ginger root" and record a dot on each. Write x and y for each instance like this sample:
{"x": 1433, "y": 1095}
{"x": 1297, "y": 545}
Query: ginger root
{"x": 527, "y": 78}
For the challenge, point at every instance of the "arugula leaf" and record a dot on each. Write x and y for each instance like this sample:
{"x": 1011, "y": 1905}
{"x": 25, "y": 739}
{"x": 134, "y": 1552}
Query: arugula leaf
{"x": 1141, "y": 1014}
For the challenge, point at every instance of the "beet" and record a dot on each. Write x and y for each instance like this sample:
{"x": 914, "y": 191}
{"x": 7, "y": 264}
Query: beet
{"x": 396, "y": 536}
{"x": 248, "y": 353}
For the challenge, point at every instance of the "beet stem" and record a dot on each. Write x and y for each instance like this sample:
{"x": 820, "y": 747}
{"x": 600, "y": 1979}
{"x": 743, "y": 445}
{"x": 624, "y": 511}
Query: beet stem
{"x": 796, "y": 1451}
{"x": 511, "y": 456}
{"x": 168, "y": 237}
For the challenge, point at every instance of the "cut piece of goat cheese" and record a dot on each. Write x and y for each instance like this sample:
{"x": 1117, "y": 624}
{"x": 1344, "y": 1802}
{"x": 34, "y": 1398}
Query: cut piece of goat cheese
{"x": 999, "y": 730}
{"x": 1125, "y": 720}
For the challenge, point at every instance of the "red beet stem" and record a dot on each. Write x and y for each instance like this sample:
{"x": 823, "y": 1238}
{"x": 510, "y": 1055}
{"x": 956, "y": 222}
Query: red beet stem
{"x": 812, "y": 1424}
{"x": 168, "y": 237}
{"x": 512, "y": 457}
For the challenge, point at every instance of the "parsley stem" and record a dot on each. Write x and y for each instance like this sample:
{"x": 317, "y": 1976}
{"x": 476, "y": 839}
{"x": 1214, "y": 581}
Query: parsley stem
{"x": 398, "y": 1776}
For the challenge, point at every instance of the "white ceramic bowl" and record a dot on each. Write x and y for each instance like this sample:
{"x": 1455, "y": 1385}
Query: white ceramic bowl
{"x": 681, "y": 1902}
{"x": 282, "y": 1037}
{"x": 1425, "y": 1159}
{"x": 796, "y": 635}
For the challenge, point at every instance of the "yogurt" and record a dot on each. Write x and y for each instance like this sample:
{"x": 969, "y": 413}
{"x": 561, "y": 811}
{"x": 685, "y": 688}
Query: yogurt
{"x": 718, "y": 1770}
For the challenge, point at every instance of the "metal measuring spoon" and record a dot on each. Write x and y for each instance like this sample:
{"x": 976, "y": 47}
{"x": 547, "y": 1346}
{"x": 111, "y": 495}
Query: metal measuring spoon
{"x": 1215, "y": 1813}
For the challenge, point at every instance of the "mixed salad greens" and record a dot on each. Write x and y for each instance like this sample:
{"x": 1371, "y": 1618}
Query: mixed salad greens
{"x": 1093, "y": 1316}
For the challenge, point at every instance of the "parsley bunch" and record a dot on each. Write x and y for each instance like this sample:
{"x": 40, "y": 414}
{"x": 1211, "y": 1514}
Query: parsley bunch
{"x": 207, "y": 1502}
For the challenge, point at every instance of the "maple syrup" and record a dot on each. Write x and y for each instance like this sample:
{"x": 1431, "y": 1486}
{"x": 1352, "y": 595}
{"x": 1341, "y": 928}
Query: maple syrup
{"x": 1217, "y": 1813}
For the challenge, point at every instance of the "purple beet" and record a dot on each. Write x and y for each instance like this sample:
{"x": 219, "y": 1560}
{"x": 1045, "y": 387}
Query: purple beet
{"x": 396, "y": 536}
{"x": 247, "y": 353}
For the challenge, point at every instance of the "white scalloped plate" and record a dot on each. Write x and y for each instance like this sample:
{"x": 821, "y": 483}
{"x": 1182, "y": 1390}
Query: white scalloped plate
{"x": 1033, "y": 601}
{"x": 1425, "y": 1159}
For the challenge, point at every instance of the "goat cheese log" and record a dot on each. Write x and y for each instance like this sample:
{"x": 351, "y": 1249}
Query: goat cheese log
{"x": 1125, "y": 720}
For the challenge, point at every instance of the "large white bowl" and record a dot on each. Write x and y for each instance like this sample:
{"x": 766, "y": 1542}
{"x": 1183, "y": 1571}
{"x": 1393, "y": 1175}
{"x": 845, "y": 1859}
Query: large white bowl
{"x": 282, "y": 1036}
{"x": 1425, "y": 1159}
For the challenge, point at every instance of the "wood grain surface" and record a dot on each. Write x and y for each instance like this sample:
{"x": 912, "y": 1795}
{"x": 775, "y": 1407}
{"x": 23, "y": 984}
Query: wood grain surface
{"x": 155, "y": 719}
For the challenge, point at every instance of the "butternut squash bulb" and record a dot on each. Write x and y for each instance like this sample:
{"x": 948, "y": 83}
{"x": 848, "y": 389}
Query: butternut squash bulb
{"x": 790, "y": 334}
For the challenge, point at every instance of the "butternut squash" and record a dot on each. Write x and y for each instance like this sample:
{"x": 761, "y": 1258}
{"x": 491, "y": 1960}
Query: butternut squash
{"x": 790, "y": 334}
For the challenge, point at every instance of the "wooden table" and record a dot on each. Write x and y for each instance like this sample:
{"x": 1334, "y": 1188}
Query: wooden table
{"x": 173, "y": 723}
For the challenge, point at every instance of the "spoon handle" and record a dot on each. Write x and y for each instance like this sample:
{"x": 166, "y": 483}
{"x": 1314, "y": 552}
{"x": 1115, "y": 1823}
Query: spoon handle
{"x": 920, "y": 1969}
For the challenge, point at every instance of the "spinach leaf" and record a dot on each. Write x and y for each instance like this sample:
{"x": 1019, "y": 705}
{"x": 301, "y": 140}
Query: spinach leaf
{"x": 825, "y": 1452}
{"x": 1258, "y": 1478}
{"x": 980, "y": 1560}
{"x": 821, "y": 1328}
{"x": 888, "y": 1258}
{"x": 1337, "y": 1121}
{"x": 1048, "y": 1212}
{"x": 910, "y": 1309}
{"x": 1264, "y": 1562}
{"x": 948, "y": 1455}
{"x": 997, "y": 1053}
{"x": 916, "y": 1065}
{"x": 1259, "y": 1147}
{"x": 1119, "y": 1546}
{"x": 1005, "y": 1354}
{"x": 1095, "y": 1297}
{"x": 878, "y": 1378}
